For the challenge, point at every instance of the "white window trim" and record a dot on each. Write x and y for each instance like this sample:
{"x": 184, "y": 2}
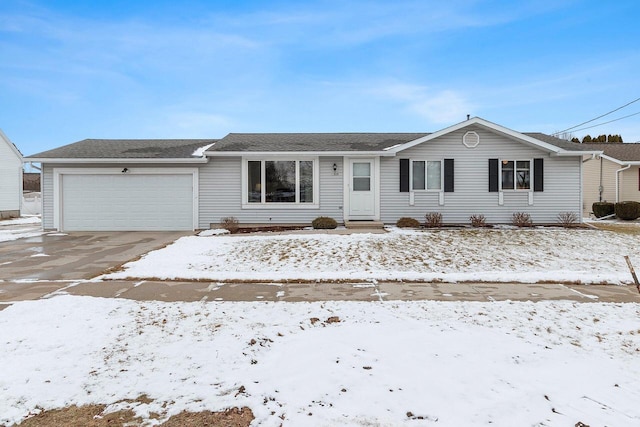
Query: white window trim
{"x": 426, "y": 190}
{"x": 289, "y": 205}
{"x": 519, "y": 190}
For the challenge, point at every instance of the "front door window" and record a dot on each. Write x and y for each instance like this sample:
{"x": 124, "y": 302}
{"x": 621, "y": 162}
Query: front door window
{"x": 362, "y": 176}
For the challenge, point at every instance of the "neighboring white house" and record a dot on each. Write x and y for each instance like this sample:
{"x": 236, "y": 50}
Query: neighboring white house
{"x": 473, "y": 167}
{"x": 10, "y": 178}
{"x": 612, "y": 177}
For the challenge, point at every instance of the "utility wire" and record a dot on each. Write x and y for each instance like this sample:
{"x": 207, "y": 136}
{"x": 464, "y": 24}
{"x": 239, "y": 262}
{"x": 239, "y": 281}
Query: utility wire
{"x": 604, "y": 123}
{"x": 599, "y": 117}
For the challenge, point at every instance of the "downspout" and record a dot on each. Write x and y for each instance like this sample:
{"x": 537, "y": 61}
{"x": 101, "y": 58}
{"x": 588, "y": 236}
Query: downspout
{"x": 618, "y": 181}
{"x": 600, "y": 187}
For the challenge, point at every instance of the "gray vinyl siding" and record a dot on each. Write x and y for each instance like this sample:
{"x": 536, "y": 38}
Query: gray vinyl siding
{"x": 221, "y": 195}
{"x": 47, "y": 197}
{"x": 471, "y": 196}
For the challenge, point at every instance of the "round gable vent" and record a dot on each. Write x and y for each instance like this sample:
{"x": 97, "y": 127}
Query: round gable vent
{"x": 471, "y": 139}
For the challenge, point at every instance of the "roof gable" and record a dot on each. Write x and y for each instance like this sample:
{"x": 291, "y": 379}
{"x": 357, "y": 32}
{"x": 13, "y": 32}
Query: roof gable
{"x": 11, "y": 145}
{"x": 539, "y": 140}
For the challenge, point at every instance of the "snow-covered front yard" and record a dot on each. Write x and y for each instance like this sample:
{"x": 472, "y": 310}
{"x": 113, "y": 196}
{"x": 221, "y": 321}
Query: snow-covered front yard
{"x": 360, "y": 363}
{"x": 495, "y": 255}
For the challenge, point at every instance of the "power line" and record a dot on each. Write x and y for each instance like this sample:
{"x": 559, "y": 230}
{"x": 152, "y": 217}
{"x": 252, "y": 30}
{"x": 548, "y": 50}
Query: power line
{"x": 599, "y": 117}
{"x": 610, "y": 121}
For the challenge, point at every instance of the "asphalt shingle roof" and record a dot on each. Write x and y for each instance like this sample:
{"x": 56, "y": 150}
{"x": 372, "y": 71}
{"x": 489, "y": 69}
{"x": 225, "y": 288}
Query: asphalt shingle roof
{"x": 267, "y": 142}
{"x": 344, "y": 141}
{"x": 312, "y": 141}
{"x": 561, "y": 143}
{"x": 127, "y": 149}
{"x": 626, "y": 152}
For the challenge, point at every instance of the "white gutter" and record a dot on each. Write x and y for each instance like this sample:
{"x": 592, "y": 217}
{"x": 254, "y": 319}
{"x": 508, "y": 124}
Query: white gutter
{"x": 574, "y": 153}
{"x": 618, "y": 181}
{"x": 31, "y": 165}
{"x": 118, "y": 160}
{"x": 298, "y": 153}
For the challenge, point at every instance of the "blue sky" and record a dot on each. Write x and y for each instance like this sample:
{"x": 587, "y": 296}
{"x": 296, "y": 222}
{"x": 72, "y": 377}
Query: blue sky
{"x": 71, "y": 70}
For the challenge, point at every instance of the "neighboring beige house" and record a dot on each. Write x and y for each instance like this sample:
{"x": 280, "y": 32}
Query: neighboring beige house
{"x": 612, "y": 177}
{"x": 10, "y": 178}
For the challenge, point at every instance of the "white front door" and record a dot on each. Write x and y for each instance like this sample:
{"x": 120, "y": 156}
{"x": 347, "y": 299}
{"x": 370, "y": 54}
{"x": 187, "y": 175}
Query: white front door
{"x": 362, "y": 200}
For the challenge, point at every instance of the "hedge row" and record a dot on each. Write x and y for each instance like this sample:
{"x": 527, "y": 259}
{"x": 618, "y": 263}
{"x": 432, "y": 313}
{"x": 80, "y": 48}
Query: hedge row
{"x": 624, "y": 210}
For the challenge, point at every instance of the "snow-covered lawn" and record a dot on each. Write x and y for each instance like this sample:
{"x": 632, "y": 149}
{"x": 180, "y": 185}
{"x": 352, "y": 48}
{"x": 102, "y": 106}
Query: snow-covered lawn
{"x": 18, "y": 228}
{"x": 497, "y": 255}
{"x": 382, "y": 364}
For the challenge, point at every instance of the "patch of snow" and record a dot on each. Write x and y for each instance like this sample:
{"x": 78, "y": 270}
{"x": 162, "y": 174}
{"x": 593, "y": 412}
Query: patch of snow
{"x": 20, "y": 228}
{"x": 460, "y": 363}
{"x": 213, "y": 232}
{"x": 23, "y": 220}
{"x": 199, "y": 152}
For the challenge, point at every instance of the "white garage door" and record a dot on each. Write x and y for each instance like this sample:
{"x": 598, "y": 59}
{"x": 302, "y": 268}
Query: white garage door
{"x": 127, "y": 202}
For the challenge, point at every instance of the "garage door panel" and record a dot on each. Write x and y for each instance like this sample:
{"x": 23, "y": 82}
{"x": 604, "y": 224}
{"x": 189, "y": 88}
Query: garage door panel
{"x": 127, "y": 202}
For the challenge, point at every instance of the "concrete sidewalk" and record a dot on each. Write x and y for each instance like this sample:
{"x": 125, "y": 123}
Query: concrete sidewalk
{"x": 295, "y": 292}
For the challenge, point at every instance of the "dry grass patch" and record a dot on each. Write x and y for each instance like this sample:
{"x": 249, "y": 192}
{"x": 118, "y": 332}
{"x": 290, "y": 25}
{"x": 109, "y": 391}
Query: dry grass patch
{"x": 86, "y": 416}
{"x": 94, "y": 416}
{"x": 632, "y": 229}
{"x": 234, "y": 417}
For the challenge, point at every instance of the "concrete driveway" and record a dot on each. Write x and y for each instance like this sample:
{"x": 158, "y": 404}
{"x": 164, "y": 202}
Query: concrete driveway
{"x": 74, "y": 256}
{"x": 36, "y": 266}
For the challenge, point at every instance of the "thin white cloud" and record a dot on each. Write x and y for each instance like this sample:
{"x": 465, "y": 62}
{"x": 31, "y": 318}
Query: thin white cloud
{"x": 191, "y": 124}
{"x": 443, "y": 107}
{"x": 341, "y": 24}
{"x": 437, "y": 106}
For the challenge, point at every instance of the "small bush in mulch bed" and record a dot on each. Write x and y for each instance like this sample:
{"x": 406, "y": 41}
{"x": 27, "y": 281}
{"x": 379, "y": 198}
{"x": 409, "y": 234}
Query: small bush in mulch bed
{"x": 521, "y": 219}
{"x": 478, "y": 220}
{"x": 230, "y": 223}
{"x": 602, "y": 209}
{"x": 433, "y": 219}
{"x": 567, "y": 219}
{"x": 406, "y": 222}
{"x": 324, "y": 223}
{"x": 627, "y": 211}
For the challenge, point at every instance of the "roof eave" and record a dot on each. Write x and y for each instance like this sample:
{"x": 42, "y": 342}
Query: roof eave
{"x": 115, "y": 160}
{"x": 570, "y": 153}
{"x": 618, "y": 161}
{"x": 296, "y": 153}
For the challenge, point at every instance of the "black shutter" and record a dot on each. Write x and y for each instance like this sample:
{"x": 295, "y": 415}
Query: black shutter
{"x": 538, "y": 174}
{"x": 404, "y": 175}
{"x": 448, "y": 175}
{"x": 493, "y": 175}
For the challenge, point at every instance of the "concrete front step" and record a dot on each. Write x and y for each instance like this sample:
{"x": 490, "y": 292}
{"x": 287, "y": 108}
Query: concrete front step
{"x": 364, "y": 224}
